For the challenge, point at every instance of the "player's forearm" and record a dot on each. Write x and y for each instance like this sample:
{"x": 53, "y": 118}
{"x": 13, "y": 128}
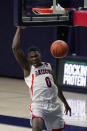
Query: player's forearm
{"x": 62, "y": 98}
{"x": 16, "y": 40}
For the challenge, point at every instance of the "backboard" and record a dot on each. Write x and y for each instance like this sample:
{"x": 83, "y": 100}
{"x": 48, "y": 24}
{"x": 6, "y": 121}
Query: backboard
{"x": 40, "y": 13}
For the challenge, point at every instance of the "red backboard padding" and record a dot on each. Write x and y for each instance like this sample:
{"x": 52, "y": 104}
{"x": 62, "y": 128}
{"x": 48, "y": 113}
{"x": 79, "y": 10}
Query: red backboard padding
{"x": 80, "y": 17}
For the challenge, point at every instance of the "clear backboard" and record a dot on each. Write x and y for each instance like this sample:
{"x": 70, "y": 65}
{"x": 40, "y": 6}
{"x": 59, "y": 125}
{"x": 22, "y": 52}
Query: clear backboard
{"x": 40, "y": 13}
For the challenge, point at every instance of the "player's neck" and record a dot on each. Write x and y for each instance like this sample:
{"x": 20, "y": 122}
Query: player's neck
{"x": 37, "y": 65}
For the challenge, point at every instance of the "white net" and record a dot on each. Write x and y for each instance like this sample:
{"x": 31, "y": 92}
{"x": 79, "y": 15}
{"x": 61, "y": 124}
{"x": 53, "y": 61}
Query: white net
{"x": 54, "y": 6}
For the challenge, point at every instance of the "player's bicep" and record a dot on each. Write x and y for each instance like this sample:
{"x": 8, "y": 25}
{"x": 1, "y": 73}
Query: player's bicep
{"x": 53, "y": 73}
{"x": 54, "y": 78}
{"x": 19, "y": 55}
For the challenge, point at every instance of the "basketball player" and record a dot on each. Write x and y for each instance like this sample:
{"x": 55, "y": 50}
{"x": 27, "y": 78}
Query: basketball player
{"x": 38, "y": 76}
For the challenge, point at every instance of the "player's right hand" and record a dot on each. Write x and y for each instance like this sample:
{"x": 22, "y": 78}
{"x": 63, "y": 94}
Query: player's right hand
{"x": 21, "y": 27}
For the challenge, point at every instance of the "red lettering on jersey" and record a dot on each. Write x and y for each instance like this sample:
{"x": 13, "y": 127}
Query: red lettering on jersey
{"x": 43, "y": 71}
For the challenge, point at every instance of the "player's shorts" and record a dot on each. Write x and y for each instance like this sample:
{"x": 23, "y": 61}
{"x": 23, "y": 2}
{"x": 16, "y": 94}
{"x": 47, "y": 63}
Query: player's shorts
{"x": 51, "y": 114}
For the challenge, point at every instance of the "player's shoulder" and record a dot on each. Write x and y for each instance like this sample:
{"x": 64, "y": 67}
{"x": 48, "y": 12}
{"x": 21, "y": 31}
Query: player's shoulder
{"x": 47, "y": 64}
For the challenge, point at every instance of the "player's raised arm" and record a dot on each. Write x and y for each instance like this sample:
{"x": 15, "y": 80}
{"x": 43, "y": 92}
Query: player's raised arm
{"x": 18, "y": 52}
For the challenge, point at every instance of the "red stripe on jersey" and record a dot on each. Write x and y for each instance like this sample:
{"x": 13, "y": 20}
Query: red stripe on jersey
{"x": 30, "y": 108}
{"x": 32, "y": 84}
{"x": 35, "y": 115}
{"x": 60, "y": 129}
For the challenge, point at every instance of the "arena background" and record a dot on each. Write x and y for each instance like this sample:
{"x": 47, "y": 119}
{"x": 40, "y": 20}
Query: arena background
{"x": 39, "y": 36}
{"x": 42, "y": 37}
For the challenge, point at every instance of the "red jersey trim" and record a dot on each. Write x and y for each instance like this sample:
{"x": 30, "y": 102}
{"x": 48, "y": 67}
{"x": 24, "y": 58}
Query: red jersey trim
{"x": 37, "y": 116}
{"x": 32, "y": 84}
{"x": 30, "y": 108}
{"x": 60, "y": 129}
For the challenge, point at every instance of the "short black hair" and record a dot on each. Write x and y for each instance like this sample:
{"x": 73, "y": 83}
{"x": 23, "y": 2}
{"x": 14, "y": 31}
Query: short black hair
{"x": 33, "y": 48}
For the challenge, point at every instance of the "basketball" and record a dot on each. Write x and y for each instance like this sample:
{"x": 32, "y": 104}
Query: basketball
{"x": 59, "y": 49}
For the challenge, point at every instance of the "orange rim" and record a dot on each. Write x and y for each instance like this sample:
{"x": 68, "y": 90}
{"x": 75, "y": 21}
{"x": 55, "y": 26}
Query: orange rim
{"x": 43, "y": 10}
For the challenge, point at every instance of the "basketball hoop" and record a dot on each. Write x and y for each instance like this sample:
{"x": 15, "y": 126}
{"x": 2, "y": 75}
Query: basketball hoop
{"x": 34, "y": 16}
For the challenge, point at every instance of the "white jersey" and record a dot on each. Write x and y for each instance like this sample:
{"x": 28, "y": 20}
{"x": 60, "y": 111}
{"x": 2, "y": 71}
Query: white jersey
{"x": 41, "y": 83}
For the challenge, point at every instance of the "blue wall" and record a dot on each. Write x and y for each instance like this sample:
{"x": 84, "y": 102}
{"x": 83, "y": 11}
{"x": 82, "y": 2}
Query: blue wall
{"x": 71, "y": 3}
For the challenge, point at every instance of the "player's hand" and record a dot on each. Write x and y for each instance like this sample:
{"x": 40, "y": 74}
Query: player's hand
{"x": 21, "y": 27}
{"x": 67, "y": 110}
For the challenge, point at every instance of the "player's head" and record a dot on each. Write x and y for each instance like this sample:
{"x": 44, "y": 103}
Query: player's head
{"x": 34, "y": 55}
